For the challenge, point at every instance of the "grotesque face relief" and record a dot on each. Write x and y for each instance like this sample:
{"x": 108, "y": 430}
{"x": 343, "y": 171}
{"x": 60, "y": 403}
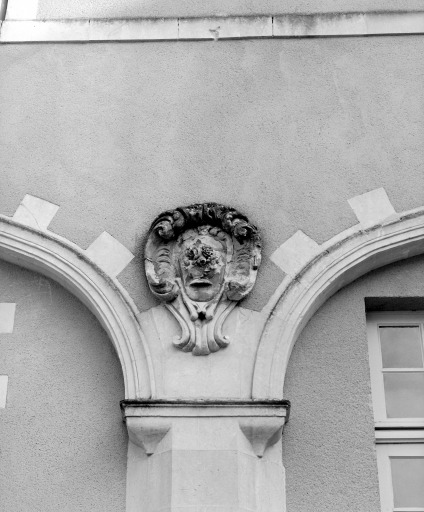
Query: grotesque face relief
{"x": 202, "y": 264}
{"x": 200, "y": 260}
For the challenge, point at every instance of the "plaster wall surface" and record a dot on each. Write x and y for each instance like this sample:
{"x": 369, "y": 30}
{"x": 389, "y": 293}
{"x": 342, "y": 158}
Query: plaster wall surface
{"x": 328, "y": 444}
{"x": 285, "y": 131}
{"x": 62, "y": 440}
{"x": 191, "y": 8}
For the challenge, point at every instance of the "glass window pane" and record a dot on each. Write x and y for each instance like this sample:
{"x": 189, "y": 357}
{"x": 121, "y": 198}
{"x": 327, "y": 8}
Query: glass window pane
{"x": 401, "y": 347}
{"x": 404, "y": 394}
{"x": 408, "y": 481}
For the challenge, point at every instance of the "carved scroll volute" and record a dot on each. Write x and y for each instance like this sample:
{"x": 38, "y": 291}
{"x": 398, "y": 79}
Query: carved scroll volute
{"x": 201, "y": 260}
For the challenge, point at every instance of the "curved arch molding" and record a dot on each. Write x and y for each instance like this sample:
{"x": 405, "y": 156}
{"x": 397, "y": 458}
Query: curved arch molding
{"x": 57, "y": 258}
{"x": 333, "y": 265}
{"x": 313, "y": 274}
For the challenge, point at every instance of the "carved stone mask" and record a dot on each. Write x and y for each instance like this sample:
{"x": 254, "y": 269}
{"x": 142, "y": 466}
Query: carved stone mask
{"x": 202, "y": 262}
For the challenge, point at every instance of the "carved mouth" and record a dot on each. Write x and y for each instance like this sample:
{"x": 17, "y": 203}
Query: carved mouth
{"x": 201, "y": 283}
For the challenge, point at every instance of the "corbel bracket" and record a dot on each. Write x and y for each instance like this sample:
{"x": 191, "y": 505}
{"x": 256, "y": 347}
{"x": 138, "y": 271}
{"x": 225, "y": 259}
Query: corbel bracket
{"x": 211, "y": 452}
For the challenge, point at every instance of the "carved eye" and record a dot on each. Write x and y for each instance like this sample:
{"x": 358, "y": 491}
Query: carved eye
{"x": 190, "y": 253}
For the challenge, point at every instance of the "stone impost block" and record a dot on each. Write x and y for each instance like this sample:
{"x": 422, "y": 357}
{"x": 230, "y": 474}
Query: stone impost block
{"x": 372, "y": 208}
{"x": 207, "y": 456}
{"x": 109, "y": 254}
{"x": 28, "y": 31}
{"x": 35, "y": 212}
{"x": 395, "y": 23}
{"x": 22, "y": 9}
{"x": 7, "y": 317}
{"x": 147, "y": 432}
{"x": 295, "y": 252}
{"x": 319, "y": 25}
{"x": 134, "y": 30}
{"x": 4, "y": 380}
{"x": 225, "y": 28}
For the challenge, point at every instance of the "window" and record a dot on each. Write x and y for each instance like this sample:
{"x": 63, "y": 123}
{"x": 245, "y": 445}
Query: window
{"x": 396, "y": 352}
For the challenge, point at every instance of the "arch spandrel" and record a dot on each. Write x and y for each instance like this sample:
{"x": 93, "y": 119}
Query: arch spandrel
{"x": 335, "y": 264}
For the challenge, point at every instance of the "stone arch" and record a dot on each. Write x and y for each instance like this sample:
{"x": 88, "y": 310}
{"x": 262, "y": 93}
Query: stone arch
{"x": 333, "y": 265}
{"x": 66, "y": 263}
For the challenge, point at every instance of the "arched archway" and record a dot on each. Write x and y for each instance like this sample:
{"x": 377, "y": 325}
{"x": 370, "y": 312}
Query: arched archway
{"x": 340, "y": 261}
{"x": 66, "y": 263}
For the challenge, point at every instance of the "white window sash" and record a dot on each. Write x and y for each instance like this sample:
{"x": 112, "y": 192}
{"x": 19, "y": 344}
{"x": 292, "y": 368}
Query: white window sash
{"x": 374, "y": 321}
{"x": 384, "y": 452}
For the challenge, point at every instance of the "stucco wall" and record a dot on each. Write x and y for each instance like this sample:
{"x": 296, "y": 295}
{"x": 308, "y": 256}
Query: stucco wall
{"x": 62, "y": 440}
{"x": 329, "y": 450}
{"x": 286, "y": 131}
{"x": 165, "y": 8}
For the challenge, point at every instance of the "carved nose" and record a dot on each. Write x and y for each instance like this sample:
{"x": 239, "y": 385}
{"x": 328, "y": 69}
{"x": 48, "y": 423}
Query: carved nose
{"x": 196, "y": 272}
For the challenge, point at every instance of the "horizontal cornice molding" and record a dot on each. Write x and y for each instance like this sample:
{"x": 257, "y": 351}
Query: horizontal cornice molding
{"x": 214, "y": 28}
{"x": 206, "y": 408}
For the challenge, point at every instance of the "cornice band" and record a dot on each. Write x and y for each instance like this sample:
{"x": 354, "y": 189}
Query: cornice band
{"x": 214, "y": 28}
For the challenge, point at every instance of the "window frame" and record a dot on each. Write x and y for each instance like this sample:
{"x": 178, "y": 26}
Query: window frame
{"x": 384, "y": 453}
{"x": 394, "y": 437}
{"x": 374, "y": 321}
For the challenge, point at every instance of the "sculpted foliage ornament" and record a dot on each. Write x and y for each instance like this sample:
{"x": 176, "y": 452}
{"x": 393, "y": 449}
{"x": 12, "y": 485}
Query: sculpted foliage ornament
{"x": 201, "y": 260}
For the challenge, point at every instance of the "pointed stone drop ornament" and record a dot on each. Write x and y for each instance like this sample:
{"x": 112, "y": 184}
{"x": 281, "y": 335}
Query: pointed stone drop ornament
{"x": 201, "y": 260}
